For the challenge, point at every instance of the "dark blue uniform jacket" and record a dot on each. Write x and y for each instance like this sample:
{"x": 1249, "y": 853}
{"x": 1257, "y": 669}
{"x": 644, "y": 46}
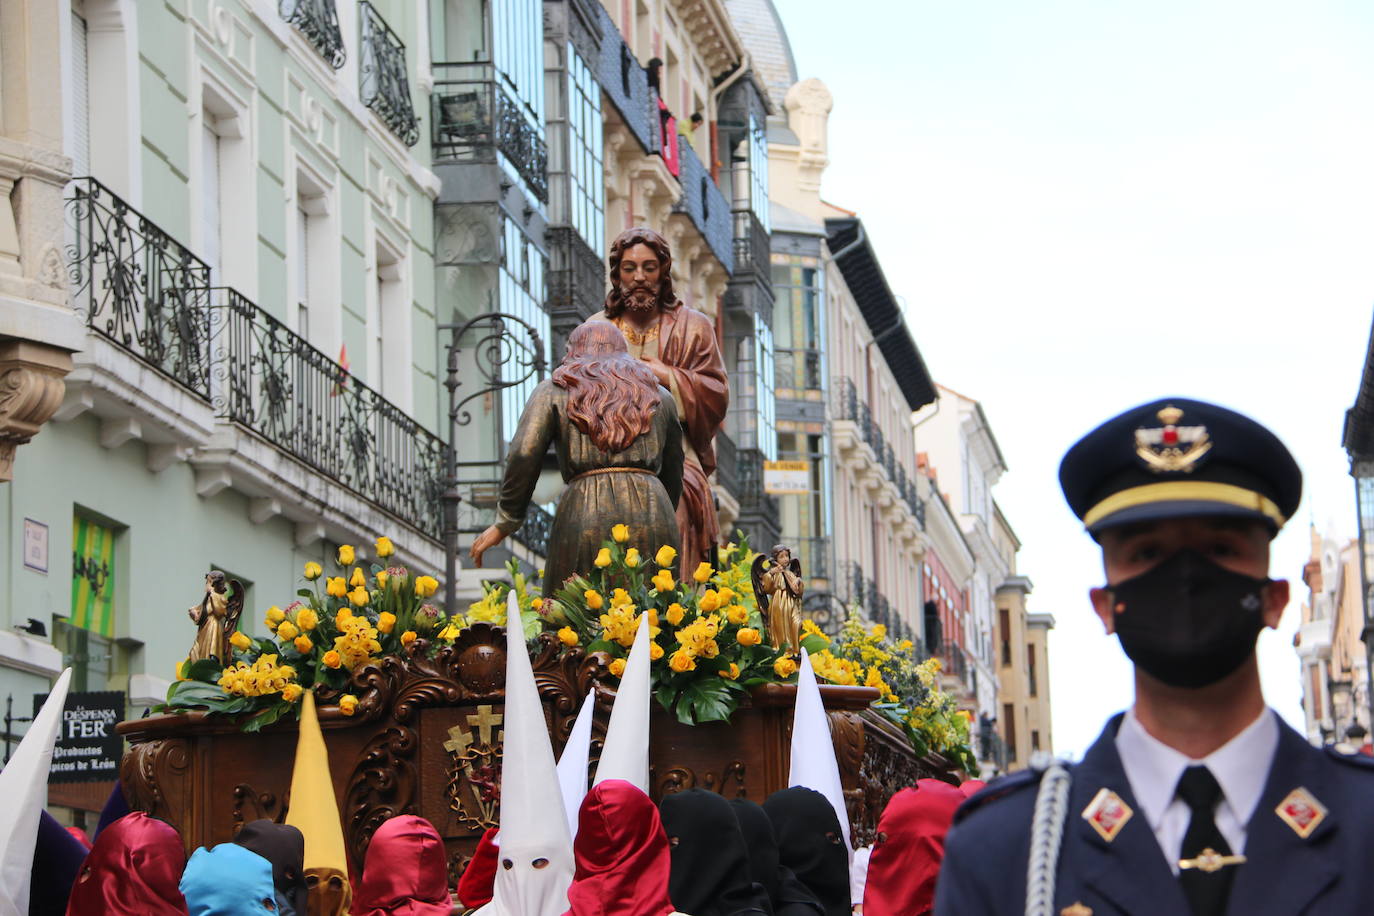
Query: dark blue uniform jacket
{"x": 1329, "y": 872}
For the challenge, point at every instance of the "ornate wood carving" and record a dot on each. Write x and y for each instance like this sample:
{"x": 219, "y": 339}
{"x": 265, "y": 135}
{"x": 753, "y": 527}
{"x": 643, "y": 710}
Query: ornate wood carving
{"x": 426, "y": 737}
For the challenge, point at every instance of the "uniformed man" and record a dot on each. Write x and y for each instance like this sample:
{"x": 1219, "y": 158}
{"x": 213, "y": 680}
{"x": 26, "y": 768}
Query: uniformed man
{"x": 1199, "y": 799}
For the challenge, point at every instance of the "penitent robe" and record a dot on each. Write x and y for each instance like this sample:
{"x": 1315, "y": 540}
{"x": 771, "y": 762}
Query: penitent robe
{"x": 686, "y": 342}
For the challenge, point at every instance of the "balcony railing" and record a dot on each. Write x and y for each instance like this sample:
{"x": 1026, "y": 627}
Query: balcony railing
{"x": 534, "y": 534}
{"x": 727, "y": 463}
{"x": 626, "y": 84}
{"x": 474, "y": 114}
{"x": 150, "y": 296}
{"x": 280, "y": 387}
{"x": 318, "y": 21}
{"x": 752, "y": 245}
{"x": 849, "y": 407}
{"x": 382, "y": 81}
{"x": 139, "y": 288}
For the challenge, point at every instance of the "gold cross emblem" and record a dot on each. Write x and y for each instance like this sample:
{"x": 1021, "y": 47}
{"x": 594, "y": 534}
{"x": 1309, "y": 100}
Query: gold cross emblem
{"x": 1209, "y": 860}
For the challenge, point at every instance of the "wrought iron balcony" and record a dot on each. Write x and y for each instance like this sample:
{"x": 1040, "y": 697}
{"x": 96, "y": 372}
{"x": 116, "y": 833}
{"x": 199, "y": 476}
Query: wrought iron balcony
{"x": 278, "y": 386}
{"x": 139, "y": 288}
{"x": 850, "y": 408}
{"x": 625, "y": 84}
{"x": 382, "y": 81}
{"x": 753, "y": 248}
{"x": 727, "y": 463}
{"x": 150, "y": 296}
{"x": 534, "y": 534}
{"x": 318, "y": 21}
{"x": 474, "y": 115}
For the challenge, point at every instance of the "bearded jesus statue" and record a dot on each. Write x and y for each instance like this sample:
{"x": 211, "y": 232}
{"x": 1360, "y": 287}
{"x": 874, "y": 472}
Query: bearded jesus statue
{"x": 679, "y": 345}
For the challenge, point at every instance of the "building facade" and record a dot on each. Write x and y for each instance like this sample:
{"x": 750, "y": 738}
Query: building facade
{"x": 247, "y": 254}
{"x": 1334, "y": 667}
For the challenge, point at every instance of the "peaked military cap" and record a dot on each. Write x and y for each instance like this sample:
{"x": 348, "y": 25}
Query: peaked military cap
{"x": 1179, "y": 457}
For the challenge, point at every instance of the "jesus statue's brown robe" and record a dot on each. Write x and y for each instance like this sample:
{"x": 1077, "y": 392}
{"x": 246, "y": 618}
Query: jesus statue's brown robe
{"x": 686, "y": 342}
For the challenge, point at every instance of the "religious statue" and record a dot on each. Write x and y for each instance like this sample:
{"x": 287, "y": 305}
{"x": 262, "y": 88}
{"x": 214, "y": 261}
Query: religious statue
{"x": 778, "y": 588}
{"x": 679, "y": 345}
{"x": 619, "y": 446}
{"x": 216, "y": 617}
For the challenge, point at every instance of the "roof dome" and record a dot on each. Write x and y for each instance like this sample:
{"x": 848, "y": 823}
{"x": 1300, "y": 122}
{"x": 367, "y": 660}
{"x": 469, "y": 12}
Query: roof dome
{"x": 760, "y": 28}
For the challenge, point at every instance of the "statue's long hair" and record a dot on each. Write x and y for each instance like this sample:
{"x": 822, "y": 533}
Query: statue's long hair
{"x": 615, "y": 299}
{"x": 611, "y": 395}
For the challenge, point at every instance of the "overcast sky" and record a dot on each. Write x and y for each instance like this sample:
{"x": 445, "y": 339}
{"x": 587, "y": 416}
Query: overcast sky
{"x": 1086, "y": 206}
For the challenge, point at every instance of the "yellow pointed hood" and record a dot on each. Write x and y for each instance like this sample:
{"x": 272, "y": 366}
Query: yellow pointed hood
{"x": 314, "y": 810}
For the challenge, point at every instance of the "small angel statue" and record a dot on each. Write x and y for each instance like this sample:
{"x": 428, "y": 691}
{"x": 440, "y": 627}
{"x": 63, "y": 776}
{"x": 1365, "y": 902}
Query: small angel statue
{"x": 216, "y": 617}
{"x": 777, "y": 579}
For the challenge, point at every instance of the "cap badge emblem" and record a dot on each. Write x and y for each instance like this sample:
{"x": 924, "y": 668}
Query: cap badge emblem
{"x": 1171, "y": 447}
{"x": 1107, "y": 813}
{"x": 1301, "y": 811}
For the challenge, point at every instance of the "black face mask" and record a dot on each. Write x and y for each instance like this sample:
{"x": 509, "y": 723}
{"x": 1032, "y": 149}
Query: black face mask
{"x": 1188, "y": 622}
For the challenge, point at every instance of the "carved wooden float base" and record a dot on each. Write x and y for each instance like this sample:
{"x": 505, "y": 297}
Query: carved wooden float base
{"x": 426, "y": 739}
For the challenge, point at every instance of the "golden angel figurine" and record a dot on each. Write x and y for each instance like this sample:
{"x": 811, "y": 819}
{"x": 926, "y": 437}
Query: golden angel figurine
{"x": 216, "y": 617}
{"x": 778, "y": 588}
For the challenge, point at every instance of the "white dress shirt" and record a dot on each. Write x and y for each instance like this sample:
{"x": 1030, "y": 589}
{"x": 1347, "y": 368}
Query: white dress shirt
{"x": 1241, "y": 767}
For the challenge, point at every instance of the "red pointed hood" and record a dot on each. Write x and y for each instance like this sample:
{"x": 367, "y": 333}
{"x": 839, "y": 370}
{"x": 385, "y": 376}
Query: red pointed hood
{"x": 623, "y": 864}
{"x": 911, "y": 845}
{"x": 406, "y": 871}
{"x": 133, "y": 869}
{"x": 478, "y": 881}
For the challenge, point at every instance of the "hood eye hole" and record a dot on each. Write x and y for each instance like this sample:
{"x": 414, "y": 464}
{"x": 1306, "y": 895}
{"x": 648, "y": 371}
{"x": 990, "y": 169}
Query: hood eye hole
{"x": 673, "y": 841}
{"x": 833, "y": 837}
{"x": 541, "y": 862}
{"x": 882, "y": 836}
{"x": 269, "y": 905}
{"x": 312, "y": 881}
{"x": 507, "y": 864}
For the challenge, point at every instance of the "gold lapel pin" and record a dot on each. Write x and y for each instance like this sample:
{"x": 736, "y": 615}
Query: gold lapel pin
{"x": 1107, "y": 813}
{"x": 1077, "y": 909}
{"x": 1209, "y": 860}
{"x": 1301, "y": 811}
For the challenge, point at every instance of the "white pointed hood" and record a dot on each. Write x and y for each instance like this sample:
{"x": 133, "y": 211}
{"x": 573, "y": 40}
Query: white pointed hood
{"x": 572, "y": 766}
{"x": 625, "y": 754}
{"x": 24, "y": 788}
{"x": 813, "y": 750}
{"x": 533, "y": 826}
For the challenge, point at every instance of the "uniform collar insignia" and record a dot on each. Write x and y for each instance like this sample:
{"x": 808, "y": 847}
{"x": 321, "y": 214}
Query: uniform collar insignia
{"x": 1077, "y": 909}
{"x": 1171, "y": 447}
{"x": 1301, "y": 811}
{"x": 1107, "y": 813}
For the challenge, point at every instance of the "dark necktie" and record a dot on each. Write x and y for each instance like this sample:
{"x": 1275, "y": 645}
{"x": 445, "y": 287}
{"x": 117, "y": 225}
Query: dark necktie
{"x": 1205, "y": 876}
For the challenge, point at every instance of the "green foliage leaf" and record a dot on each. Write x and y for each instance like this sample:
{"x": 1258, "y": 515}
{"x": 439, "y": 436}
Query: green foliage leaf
{"x": 206, "y": 670}
{"x": 305, "y": 593}
{"x": 267, "y": 716}
{"x": 706, "y": 700}
{"x": 814, "y": 644}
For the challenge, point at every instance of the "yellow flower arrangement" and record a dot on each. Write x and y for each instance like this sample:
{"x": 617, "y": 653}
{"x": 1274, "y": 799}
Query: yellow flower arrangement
{"x": 663, "y": 581}
{"x": 313, "y": 571}
{"x": 785, "y": 667}
{"x": 240, "y": 640}
{"x": 426, "y": 586}
{"x": 303, "y": 644}
{"x": 682, "y": 662}
{"x": 632, "y": 557}
{"x": 346, "y": 555}
{"x": 408, "y": 637}
{"x": 675, "y": 613}
{"x": 332, "y": 659}
{"x": 286, "y": 631}
{"x": 348, "y": 704}
{"x": 335, "y": 587}
{"x": 384, "y": 547}
{"x": 732, "y": 673}
{"x": 275, "y": 615}
{"x": 748, "y": 636}
{"x": 291, "y": 692}
{"x": 360, "y": 596}
{"x": 665, "y": 556}
{"x": 737, "y": 614}
{"x": 703, "y": 572}
{"x": 357, "y": 580}
{"x": 603, "y": 558}
{"x": 307, "y": 619}
{"x": 386, "y": 622}
{"x": 594, "y": 599}
{"x": 617, "y": 667}
{"x": 620, "y": 533}
{"x": 567, "y": 636}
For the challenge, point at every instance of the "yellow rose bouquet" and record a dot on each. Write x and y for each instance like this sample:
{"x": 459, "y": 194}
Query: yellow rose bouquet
{"x": 709, "y": 645}
{"x": 339, "y": 624}
{"x": 911, "y": 696}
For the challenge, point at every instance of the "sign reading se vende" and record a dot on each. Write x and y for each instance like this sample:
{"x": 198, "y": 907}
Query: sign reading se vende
{"x": 787, "y": 477}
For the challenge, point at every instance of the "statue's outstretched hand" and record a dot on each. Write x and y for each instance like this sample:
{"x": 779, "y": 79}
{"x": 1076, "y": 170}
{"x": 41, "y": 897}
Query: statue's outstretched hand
{"x": 485, "y": 541}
